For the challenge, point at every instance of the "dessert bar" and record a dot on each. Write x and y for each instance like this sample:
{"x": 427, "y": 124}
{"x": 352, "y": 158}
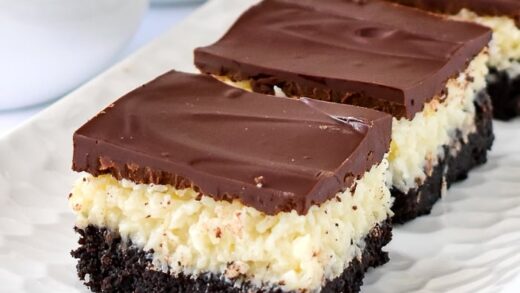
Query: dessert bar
{"x": 430, "y": 76}
{"x": 190, "y": 185}
{"x": 503, "y": 17}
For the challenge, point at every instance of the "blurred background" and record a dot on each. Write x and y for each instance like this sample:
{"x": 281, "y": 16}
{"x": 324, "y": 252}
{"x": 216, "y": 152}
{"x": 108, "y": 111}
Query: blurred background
{"x": 75, "y": 40}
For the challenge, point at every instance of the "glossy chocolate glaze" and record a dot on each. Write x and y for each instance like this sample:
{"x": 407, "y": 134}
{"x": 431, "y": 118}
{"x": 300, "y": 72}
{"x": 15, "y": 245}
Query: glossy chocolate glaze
{"x": 509, "y": 8}
{"x": 273, "y": 154}
{"x": 370, "y": 53}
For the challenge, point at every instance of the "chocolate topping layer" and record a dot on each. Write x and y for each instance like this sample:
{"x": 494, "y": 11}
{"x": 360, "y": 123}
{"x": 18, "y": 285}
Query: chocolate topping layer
{"x": 369, "y": 53}
{"x": 509, "y": 8}
{"x": 273, "y": 154}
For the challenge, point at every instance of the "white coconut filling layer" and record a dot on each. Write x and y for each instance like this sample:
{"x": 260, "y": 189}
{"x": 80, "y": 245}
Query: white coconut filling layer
{"x": 418, "y": 144}
{"x": 197, "y": 235}
{"x": 504, "y": 49}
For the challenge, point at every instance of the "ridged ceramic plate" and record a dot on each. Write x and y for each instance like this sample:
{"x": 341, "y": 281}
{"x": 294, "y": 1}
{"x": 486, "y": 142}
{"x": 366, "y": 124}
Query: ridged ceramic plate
{"x": 470, "y": 243}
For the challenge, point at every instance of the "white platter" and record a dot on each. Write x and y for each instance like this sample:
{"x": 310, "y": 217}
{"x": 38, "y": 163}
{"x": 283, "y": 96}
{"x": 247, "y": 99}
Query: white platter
{"x": 470, "y": 243}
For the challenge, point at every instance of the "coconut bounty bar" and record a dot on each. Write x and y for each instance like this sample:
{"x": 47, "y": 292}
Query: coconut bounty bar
{"x": 503, "y": 17}
{"x": 191, "y": 185}
{"x": 427, "y": 71}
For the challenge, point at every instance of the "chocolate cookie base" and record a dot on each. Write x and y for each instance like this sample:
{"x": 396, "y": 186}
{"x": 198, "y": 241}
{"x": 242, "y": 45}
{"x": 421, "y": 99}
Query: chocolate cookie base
{"x": 107, "y": 264}
{"x": 455, "y": 167}
{"x": 505, "y": 94}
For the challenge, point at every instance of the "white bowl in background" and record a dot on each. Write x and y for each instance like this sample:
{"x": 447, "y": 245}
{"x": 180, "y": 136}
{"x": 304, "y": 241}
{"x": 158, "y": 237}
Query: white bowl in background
{"x": 48, "y": 47}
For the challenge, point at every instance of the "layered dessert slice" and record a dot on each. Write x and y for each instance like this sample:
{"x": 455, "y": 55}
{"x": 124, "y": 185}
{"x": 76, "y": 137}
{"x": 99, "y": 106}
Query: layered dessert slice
{"x": 190, "y": 185}
{"x": 430, "y": 76}
{"x": 503, "y": 17}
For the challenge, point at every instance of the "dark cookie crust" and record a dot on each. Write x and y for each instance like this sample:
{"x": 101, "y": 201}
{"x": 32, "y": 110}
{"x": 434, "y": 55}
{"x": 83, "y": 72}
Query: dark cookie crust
{"x": 505, "y": 94}
{"x": 450, "y": 170}
{"x": 106, "y": 264}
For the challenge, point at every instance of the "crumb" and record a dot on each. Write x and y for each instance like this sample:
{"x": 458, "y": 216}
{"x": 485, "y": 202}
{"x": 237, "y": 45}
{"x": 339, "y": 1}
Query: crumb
{"x": 349, "y": 177}
{"x": 353, "y": 188}
{"x": 106, "y": 164}
{"x": 370, "y": 156}
{"x": 236, "y": 269}
{"x": 259, "y": 181}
